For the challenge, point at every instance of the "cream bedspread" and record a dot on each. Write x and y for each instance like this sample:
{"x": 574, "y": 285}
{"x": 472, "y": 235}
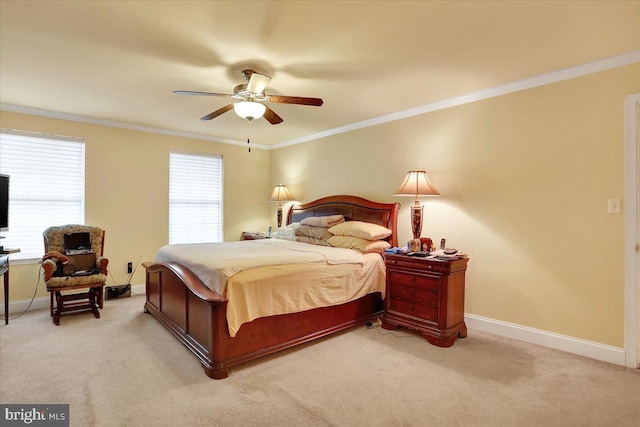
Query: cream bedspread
{"x": 273, "y": 276}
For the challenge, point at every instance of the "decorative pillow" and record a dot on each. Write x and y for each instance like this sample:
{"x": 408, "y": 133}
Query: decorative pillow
{"x": 313, "y": 241}
{"x": 363, "y": 245}
{"x": 323, "y": 221}
{"x": 363, "y": 230}
{"x": 315, "y": 232}
{"x": 286, "y": 233}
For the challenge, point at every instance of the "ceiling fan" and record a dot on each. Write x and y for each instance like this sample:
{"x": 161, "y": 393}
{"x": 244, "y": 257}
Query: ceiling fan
{"x": 252, "y": 96}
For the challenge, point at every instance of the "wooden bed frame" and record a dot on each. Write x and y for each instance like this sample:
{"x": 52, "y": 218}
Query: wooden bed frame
{"x": 196, "y": 315}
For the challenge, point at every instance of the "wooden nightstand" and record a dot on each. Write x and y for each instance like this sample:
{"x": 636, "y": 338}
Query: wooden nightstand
{"x": 426, "y": 295}
{"x": 253, "y": 235}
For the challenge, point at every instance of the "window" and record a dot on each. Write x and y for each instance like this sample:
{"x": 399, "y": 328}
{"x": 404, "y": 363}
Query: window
{"x": 195, "y": 198}
{"x": 46, "y": 187}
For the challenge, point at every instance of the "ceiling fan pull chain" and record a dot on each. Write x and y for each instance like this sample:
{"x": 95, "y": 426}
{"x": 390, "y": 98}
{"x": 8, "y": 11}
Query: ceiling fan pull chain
{"x": 249, "y": 135}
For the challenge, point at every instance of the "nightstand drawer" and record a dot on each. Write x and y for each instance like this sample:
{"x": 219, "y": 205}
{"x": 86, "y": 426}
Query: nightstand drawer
{"x": 419, "y": 296}
{"x": 417, "y": 263}
{"x": 414, "y": 280}
{"x": 413, "y": 309}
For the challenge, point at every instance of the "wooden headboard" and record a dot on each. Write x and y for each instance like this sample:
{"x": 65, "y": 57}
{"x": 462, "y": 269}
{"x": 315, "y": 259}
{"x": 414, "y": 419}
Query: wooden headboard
{"x": 353, "y": 208}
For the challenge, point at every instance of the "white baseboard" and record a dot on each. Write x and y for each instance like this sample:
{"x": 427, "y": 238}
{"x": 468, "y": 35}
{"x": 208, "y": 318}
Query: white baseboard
{"x": 17, "y": 307}
{"x": 594, "y": 350}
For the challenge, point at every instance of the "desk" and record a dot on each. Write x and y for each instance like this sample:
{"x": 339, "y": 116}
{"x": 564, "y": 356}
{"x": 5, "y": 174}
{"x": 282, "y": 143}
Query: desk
{"x": 4, "y": 271}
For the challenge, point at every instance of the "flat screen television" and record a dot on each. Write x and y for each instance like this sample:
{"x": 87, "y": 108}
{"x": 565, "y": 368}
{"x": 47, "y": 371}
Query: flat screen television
{"x": 4, "y": 202}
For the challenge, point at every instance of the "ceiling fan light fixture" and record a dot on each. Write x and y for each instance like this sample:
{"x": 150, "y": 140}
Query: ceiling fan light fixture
{"x": 249, "y": 110}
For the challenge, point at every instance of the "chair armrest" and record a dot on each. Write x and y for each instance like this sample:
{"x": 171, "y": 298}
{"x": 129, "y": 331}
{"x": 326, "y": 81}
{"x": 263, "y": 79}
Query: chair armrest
{"x": 50, "y": 267}
{"x": 101, "y": 263}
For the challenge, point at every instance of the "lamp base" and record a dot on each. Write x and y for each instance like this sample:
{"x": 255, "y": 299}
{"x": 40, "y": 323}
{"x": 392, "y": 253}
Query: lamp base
{"x": 279, "y": 216}
{"x": 416, "y": 221}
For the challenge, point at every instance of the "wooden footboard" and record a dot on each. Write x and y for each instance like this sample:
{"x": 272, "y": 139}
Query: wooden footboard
{"x": 197, "y": 317}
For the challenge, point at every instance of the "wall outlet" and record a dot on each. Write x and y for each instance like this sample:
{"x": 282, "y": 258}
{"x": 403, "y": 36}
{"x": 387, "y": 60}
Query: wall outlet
{"x": 129, "y": 267}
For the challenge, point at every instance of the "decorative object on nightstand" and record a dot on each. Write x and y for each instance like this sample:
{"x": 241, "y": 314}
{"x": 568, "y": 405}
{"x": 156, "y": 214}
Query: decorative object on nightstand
{"x": 426, "y": 295}
{"x": 416, "y": 184}
{"x": 254, "y": 235}
{"x": 280, "y": 193}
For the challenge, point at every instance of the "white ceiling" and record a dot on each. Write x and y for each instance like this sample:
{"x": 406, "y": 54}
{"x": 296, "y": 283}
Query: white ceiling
{"x": 119, "y": 61}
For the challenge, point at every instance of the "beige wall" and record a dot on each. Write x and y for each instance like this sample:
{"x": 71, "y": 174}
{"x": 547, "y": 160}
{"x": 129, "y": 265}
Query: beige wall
{"x": 127, "y": 188}
{"x": 524, "y": 180}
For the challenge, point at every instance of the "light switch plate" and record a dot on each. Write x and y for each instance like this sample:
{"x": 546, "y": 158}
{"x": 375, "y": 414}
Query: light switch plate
{"x": 614, "y": 206}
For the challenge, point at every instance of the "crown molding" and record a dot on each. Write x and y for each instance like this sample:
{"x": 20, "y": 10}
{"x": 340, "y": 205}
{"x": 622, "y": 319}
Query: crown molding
{"x": 536, "y": 81}
{"x": 122, "y": 125}
{"x": 541, "y": 80}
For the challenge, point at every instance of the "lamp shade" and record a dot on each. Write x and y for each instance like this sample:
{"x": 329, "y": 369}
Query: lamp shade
{"x": 281, "y": 193}
{"x": 249, "y": 110}
{"x": 416, "y": 183}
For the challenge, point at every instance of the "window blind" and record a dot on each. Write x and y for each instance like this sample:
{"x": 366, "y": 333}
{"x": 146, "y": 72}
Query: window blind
{"x": 46, "y": 187}
{"x": 195, "y": 198}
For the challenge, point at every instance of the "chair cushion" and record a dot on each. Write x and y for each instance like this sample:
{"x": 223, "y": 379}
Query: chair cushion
{"x": 81, "y": 262}
{"x": 55, "y": 236}
{"x": 79, "y": 281}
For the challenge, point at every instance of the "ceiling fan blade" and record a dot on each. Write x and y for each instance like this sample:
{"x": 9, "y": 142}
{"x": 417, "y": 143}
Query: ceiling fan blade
{"x": 272, "y": 117}
{"x": 257, "y": 82}
{"x": 193, "y": 92}
{"x": 217, "y": 112}
{"x": 316, "y": 102}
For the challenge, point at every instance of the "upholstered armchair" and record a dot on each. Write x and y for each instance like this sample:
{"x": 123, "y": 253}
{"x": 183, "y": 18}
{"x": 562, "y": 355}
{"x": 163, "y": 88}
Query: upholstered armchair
{"x": 55, "y": 262}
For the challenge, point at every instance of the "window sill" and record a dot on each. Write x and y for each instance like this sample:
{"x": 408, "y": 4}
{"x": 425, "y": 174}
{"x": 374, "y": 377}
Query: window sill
{"x": 23, "y": 261}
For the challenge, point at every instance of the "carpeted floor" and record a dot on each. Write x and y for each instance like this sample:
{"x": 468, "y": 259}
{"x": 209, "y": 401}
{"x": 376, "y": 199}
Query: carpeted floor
{"x": 125, "y": 369}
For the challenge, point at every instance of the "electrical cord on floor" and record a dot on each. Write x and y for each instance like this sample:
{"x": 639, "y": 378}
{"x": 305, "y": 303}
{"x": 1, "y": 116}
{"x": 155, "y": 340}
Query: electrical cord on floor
{"x": 30, "y": 302}
{"x": 377, "y": 327}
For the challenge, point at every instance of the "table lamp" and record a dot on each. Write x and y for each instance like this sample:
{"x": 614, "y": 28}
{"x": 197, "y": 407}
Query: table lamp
{"x": 280, "y": 193}
{"x": 416, "y": 184}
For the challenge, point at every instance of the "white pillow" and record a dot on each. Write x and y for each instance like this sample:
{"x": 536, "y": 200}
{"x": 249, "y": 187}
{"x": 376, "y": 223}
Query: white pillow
{"x": 363, "y": 245}
{"x": 363, "y": 230}
{"x": 286, "y": 233}
{"x": 315, "y": 232}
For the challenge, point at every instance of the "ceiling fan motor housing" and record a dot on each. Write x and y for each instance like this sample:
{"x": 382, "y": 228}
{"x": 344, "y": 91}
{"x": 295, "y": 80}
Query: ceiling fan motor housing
{"x": 241, "y": 92}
